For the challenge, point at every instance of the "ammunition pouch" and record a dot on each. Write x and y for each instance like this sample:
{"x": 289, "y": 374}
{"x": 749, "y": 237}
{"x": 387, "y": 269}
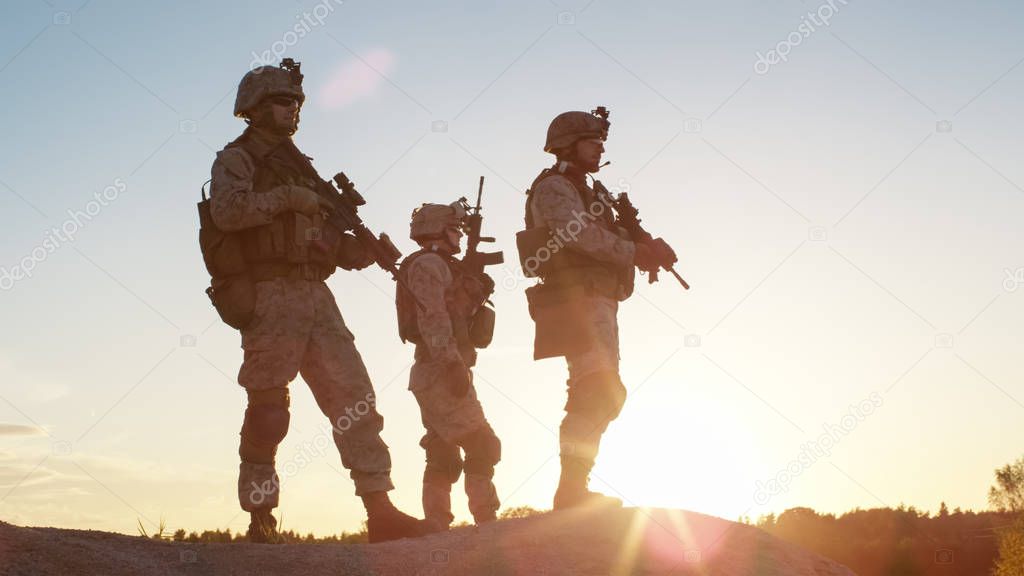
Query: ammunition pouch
{"x": 481, "y": 328}
{"x": 232, "y": 291}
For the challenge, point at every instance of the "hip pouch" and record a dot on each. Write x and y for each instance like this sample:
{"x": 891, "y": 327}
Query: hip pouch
{"x": 234, "y": 298}
{"x": 560, "y": 315}
{"x": 481, "y": 328}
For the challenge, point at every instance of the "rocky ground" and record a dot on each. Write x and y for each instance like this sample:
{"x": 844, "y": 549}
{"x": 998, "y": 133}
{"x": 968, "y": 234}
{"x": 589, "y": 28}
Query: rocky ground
{"x": 609, "y": 542}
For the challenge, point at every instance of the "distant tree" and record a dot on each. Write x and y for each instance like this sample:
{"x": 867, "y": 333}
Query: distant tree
{"x": 943, "y": 510}
{"x": 1011, "y": 550}
{"x": 1008, "y": 493}
{"x": 518, "y": 512}
{"x": 766, "y": 522}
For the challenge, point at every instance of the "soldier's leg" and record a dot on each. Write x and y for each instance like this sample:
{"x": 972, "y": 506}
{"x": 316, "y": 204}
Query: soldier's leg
{"x": 273, "y": 344}
{"x": 595, "y": 398}
{"x": 334, "y": 371}
{"x": 443, "y": 468}
{"x": 483, "y": 451}
{"x": 458, "y": 421}
{"x": 337, "y": 376}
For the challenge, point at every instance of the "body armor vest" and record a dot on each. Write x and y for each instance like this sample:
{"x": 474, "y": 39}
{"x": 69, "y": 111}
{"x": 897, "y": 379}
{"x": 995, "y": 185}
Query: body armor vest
{"x": 284, "y": 243}
{"x": 462, "y": 298}
{"x": 570, "y": 267}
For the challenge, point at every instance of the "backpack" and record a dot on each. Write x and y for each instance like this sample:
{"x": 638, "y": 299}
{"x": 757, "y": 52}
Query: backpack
{"x": 232, "y": 290}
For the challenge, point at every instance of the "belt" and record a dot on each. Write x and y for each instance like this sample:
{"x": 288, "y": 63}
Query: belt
{"x": 306, "y": 271}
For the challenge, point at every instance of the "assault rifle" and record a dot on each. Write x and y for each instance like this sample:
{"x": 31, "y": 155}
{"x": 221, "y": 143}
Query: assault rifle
{"x": 628, "y": 217}
{"x": 474, "y": 260}
{"x": 344, "y": 216}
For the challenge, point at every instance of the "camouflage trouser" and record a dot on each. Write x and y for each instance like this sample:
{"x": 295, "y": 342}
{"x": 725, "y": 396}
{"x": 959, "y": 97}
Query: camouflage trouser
{"x": 298, "y": 328}
{"x": 595, "y": 392}
{"x": 453, "y": 423}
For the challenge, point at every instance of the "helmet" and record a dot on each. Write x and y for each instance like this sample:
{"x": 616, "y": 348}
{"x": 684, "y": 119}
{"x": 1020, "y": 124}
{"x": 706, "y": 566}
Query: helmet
{"x": 568, "y": 127}
{"x": 265, "y": 81}
{"x": 430, "y": 220}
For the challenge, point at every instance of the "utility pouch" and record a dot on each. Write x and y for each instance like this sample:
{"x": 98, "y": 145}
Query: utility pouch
{"x": 534, "y": 252}
{"x": 234, "y": 297}
{"x": 481, "y": 328}
{"x": 560, "y": 315}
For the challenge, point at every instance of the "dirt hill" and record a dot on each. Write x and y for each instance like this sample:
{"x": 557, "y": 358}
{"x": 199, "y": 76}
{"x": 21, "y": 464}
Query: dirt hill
{"x": 609, "y": 542}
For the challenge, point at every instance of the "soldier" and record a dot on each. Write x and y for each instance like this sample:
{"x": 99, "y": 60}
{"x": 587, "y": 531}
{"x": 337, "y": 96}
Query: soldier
{"x": 441, "y": 325}
{"x": 586, "y": 264}
{"x": 260, "y": 195}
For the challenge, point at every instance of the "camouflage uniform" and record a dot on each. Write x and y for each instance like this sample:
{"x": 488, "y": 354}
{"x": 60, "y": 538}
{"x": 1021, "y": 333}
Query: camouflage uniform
{"x": 559, "y": 200}
{"x": 297, "y": 328}
{"x": 448, "y": 299}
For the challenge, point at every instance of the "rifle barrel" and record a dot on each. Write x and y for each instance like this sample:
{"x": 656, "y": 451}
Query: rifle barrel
{"x": 680, "y": 278}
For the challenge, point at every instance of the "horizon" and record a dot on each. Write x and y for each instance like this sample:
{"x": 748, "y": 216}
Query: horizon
{"x": 848, "y": 214}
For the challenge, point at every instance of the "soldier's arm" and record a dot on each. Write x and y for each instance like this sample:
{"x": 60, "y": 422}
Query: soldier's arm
{"x": 429, "y": 277}
{"x": 560, "y": 207}
{"x": 233, "y": 204}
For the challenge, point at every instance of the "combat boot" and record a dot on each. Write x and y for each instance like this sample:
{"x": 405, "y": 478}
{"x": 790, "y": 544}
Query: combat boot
{"x": 573, "y": 490}
{"x": 262, "y": 527}
{"x": 385, "y": 522}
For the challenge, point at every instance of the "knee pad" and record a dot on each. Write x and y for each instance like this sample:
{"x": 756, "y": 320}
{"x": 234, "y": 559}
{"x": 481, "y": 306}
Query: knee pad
{"x": 444, "y": 462}
{"x": 265, "y": 425}
{"x": 598, "y": 396}
{"x": 483, "y": 451}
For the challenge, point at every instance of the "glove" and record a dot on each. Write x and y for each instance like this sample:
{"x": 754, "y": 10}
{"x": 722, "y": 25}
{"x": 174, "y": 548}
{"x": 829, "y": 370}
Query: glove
{"x": 303, "y": 200}
{"x": 351, "y": 254}
{"x": 459, "y": 379}
{"x": 663, "y": 252}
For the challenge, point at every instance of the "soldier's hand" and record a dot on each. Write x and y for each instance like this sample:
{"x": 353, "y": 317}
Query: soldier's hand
{"x": 459, "y": 379}
{"x": 304, "y": 200}
{"x": 664, "y": 253}
{"x": 351, "y": 254}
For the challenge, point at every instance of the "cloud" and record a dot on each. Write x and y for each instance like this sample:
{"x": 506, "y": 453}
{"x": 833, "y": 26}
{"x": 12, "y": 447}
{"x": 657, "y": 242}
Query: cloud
{"x": 356, "y": 78}
{"x": 20, "y": 430}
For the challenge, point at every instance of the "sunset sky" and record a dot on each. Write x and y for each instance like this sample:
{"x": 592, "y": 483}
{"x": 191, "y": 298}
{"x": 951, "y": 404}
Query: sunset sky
{"x": 849, "y": 218}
